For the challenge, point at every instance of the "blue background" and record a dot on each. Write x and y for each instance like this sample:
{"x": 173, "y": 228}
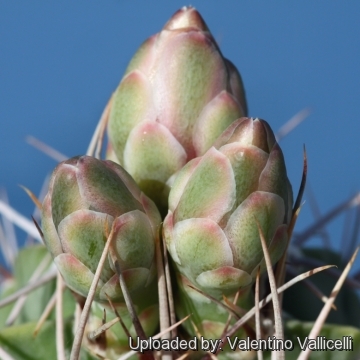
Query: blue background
{"x": 61, "y": 60}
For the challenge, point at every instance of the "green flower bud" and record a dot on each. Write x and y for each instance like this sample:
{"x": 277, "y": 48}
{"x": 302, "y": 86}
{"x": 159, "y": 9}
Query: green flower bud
{"x": 86, "y": 198}
{"x": 217, "y": 199}
{"x": 177, "y": 83}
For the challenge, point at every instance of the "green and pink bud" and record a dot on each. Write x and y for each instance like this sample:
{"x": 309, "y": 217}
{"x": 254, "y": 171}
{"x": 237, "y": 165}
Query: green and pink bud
{"x": 86, "y": 199}
{"x": 216, "y": 203}
{"x": 177, "y": 96}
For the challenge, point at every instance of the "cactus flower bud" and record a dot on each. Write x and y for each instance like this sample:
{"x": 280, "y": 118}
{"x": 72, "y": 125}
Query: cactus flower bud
{"x": 177, "y": 83}
{"x": 87, "y": 196}
{"x": 216, "y": 201}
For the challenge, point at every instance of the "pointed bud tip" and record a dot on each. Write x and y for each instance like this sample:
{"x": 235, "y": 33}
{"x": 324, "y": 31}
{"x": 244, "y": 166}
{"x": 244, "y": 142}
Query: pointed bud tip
{"x": 186, "y": 17}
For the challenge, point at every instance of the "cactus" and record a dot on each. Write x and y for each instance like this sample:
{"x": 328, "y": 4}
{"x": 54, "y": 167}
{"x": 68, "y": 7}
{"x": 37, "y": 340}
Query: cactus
{"x": 178, "y": 136}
